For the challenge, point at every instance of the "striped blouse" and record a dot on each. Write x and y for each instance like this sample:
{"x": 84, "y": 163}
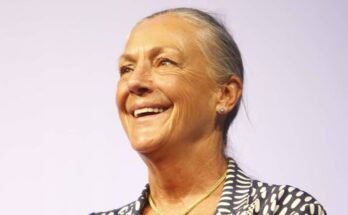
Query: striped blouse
{"x": 243, "y": 196}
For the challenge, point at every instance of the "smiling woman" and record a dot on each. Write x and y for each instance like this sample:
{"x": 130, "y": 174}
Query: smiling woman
{"x": 165, "y": 69}
{"x": 180, "y": 88}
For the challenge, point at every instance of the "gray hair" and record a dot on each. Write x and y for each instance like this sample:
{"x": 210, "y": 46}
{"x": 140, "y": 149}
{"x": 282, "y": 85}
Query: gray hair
{"x": 218, "y": 46}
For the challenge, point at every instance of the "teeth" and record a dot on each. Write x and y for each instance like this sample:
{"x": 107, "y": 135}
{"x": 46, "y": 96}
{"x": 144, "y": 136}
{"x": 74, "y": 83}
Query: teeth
{"x": 147, "y": 110}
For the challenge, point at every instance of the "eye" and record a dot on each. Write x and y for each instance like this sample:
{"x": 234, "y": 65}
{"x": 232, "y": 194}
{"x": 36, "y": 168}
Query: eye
{"x": 165, "y": 62}
{"x": 125, "y": 69}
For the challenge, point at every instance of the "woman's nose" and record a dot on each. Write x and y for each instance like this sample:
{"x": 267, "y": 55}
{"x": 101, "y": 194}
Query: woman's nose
{"x": 140, "y": 81}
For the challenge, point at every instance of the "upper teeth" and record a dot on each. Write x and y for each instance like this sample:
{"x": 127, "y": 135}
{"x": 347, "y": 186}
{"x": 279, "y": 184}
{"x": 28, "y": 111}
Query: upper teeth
{"x": 147, "y": 110}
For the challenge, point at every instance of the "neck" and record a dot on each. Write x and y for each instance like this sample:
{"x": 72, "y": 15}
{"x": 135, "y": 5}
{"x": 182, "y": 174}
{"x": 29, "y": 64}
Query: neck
{"x": 180, "y": 175}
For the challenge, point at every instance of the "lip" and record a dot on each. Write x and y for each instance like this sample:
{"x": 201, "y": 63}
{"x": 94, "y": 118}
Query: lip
{"x": 147, "y": 105}
{"x": 150, "y": 118}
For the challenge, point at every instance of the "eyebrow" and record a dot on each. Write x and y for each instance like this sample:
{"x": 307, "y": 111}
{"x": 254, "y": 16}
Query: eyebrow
{"x": 153, "y": 52}
{"x": 126, "y": 57}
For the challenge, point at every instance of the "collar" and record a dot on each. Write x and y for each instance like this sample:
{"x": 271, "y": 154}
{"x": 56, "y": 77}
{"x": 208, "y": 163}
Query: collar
{"x": 234, "y": 197}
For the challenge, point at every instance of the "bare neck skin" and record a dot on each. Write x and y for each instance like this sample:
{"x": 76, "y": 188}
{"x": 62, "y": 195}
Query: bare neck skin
{"x": 180, "y": 176}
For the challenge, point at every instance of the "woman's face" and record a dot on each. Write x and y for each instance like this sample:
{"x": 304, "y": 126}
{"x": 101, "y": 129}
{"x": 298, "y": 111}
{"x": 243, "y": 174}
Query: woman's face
{"x": 165, "y": 97}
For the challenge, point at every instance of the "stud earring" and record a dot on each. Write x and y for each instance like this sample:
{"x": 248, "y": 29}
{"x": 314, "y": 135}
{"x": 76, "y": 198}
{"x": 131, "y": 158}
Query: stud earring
{"x": 222, "y": 110}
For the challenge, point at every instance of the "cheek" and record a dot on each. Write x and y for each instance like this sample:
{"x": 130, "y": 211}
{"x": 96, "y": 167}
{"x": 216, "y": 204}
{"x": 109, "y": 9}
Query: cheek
{"x": 121, "y": 96}
{"x": 121, "y": 93}
{"x": 191, "y": 95}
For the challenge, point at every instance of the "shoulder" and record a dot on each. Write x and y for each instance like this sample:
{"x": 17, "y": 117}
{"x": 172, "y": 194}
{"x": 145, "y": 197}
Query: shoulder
{"x": 131, "y": 208}
{"x": 127, "y": 209}
{"x": 283, "y": 199}
{"x": 113, "y": 212}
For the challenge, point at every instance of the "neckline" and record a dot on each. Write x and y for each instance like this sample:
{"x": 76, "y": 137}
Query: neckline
{"x": 234, "y": 196}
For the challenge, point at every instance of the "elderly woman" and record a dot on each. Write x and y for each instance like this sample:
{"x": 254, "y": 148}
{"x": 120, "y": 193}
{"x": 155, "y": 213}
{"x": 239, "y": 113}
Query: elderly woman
{"x": 180, "y": 88}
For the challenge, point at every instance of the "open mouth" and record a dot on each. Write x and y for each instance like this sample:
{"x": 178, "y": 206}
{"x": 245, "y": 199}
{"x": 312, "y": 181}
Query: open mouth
{"x": 141, "y": 112}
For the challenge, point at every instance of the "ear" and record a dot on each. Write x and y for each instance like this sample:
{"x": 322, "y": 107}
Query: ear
{"x": 229, "y": 94}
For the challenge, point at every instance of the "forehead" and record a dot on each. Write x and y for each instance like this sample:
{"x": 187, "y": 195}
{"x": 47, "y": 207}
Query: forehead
{"x": 167, "y": 30}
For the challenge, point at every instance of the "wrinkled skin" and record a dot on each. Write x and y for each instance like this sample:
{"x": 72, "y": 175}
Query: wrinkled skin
{"x": 162, "y": 66}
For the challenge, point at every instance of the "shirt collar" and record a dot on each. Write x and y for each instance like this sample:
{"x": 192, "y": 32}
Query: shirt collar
{"x": 234, "y": 197}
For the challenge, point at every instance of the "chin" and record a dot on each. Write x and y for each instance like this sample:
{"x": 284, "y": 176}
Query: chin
{"x": 145, "y": 145}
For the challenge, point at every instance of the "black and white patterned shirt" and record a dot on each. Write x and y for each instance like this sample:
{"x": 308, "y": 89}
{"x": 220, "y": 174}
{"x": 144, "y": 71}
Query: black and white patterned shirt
{"x": 244, "y": 196}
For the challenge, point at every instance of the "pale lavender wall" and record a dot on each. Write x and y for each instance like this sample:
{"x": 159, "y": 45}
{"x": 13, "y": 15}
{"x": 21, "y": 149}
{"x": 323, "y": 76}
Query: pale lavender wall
{"x": 63, "y": 151}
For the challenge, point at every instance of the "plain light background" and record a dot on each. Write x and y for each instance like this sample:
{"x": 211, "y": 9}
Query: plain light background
{"x": 62, "y": 148}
